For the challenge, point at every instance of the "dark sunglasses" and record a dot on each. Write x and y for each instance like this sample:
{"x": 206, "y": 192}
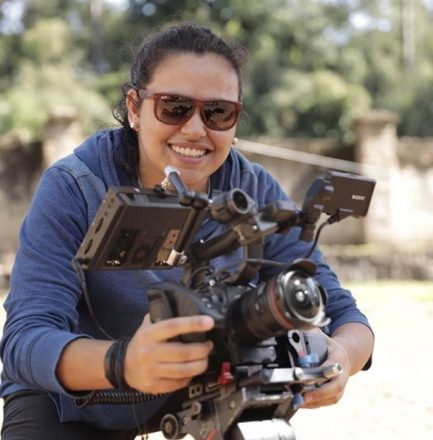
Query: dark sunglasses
{"x": 175, "y": 110}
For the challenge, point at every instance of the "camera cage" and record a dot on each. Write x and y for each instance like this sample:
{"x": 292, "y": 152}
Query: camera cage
{"x": 138, "y": 228}
{"x": 259, "y": 390}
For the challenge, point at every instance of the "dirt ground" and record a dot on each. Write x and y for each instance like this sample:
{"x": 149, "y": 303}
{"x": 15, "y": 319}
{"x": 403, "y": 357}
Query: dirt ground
{"x": 394, "y": 400}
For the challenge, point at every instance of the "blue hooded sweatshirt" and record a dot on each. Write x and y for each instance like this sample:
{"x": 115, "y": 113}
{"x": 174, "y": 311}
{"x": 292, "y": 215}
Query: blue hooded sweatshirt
{"x": 45, "y": 307}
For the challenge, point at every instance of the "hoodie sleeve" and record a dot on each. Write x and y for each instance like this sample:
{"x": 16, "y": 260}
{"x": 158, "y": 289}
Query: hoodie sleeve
{"x": 41, "y": 306}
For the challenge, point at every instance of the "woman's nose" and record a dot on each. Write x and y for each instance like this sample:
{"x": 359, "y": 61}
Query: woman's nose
{"x": 194, "y": 127}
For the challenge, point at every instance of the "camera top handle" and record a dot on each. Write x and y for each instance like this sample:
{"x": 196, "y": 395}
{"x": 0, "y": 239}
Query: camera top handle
{"x": 339, "y": 195}
{"x": 248, "y": 227}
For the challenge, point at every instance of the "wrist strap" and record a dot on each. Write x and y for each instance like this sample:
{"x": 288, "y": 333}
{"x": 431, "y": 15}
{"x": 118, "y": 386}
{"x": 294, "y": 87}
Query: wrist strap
{"x": 114, "y": 363}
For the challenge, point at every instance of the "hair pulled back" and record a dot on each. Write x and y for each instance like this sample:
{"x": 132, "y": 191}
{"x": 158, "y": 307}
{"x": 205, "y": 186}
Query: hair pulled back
{"x": 180, "y": 38}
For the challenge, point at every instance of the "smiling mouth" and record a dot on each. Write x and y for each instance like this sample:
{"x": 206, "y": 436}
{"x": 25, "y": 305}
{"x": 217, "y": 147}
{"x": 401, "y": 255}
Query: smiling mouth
{"x": 188, "y": 152}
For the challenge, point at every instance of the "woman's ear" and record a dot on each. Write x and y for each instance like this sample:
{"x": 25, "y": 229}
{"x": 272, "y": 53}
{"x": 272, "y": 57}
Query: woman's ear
{"x": 132, "y": 104}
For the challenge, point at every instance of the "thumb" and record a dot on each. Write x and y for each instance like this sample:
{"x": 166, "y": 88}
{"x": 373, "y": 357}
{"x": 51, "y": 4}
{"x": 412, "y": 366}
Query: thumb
{"x": 147, "y": 321}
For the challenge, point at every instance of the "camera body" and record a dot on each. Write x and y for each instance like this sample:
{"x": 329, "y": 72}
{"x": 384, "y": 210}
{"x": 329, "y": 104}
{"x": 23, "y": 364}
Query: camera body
{"x": 264, "y": 357}
{"x": 267, "y": 345}
{"x": 246, "y": 314}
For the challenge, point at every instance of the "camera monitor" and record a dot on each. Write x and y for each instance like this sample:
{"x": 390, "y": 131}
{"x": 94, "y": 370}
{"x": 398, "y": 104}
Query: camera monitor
{"x": 134, "y": 228}
{"x": 352, "y": 193}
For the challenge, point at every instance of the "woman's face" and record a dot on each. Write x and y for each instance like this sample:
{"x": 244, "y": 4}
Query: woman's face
{"x": 194, "y": 149}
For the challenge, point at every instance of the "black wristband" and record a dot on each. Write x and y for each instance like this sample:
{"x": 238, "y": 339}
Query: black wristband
{"x": 114, "y": 364}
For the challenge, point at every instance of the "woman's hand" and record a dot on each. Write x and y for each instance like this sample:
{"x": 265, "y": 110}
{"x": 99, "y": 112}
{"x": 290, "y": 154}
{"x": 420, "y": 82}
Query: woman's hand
{"x": 351, "y": 345}
{"x": 332, "y": 391}
{"x": 153, "y": 364}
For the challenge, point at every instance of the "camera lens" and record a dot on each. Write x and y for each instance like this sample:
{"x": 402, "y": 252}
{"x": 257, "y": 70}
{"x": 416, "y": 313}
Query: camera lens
{"x": 292, "y": 299}
{"x": 301, "y": 296}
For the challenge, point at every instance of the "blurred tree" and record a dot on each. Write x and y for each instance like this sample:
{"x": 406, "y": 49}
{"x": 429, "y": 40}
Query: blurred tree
{"x": 314, "y": 64}
{"x": 46, "y": 78}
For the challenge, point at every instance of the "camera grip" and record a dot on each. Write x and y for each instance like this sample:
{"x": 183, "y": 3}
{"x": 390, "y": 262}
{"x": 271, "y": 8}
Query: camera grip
{"x": 160, "y": 308}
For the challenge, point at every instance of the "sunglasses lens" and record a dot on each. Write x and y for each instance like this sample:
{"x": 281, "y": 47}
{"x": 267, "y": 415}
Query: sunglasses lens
{"x": 216, "y": 115}
{"x": 220, "y": 115}
{"x": 174, "y": 109}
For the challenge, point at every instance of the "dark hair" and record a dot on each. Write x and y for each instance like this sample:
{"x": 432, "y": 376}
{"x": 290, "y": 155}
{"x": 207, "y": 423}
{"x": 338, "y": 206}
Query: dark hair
{"x": 185, "y": 37}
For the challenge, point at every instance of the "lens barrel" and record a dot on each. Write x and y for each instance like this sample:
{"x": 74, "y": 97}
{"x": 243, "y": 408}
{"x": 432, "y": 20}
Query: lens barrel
{"x": 292, "y": 299}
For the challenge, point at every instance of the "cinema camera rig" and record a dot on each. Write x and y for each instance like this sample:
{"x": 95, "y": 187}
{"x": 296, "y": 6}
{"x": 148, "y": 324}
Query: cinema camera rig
{"x": 266, "y": 354}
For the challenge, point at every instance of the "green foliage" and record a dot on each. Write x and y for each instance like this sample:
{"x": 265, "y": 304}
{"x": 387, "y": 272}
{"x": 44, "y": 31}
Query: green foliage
{"x": 296, "y": 84}
{"x": 314, "y": 64}
{"x": 47, "y": 42}
{"x": 46, "y": 79}
{"x": 44, "y": 89}
{"x": 321, "y": 104}
{"x": 420, "y": 97}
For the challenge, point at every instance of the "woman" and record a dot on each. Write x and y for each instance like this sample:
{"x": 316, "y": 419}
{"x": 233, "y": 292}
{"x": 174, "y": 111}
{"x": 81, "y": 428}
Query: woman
{"x": 181, "y": 109}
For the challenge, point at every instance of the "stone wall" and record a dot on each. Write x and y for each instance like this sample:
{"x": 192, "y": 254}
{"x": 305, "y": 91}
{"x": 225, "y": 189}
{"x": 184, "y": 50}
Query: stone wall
{"x": 412, "y": 200}
{"x": 21, "y": 165}
{"x": 20, "y": 168}
{"x": 308, "y": 160}
{"x": 401, "y": 211}
{"x": 400, "y": 215}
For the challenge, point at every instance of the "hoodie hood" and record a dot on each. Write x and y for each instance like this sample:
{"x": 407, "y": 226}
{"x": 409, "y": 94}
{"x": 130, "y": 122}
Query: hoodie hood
{"x": 105, "y": 155}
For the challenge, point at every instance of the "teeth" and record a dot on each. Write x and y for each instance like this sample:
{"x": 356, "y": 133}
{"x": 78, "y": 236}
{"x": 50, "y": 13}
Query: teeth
{"x": 190, "y": 152}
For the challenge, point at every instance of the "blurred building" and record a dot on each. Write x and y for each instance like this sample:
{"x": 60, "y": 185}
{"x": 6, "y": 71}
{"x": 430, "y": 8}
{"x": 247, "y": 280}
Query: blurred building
{"x": 396, "y": 236}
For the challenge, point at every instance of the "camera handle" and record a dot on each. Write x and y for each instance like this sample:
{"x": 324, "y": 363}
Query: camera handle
{"x": 226, "y": 208}
{"x": 198, "y": 201}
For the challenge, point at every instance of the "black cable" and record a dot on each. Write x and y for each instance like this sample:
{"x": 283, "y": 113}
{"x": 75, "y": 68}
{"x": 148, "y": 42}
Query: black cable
{"x": 200, "y": 269}
{"x": 140, "y": 432}
{"x": 114, "y": 397}
{"x": 107, "y": 397}
{"x": 80, "y": 273}
{"x": 328, "y": 221}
